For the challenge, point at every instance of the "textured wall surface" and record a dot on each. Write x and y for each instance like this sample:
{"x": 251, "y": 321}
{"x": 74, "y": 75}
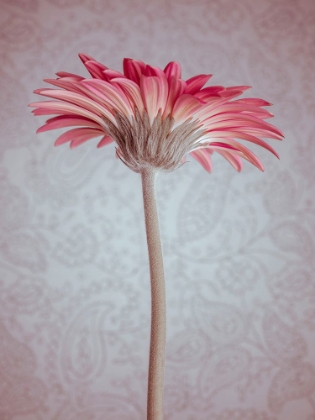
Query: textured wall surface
{"x": 239, "y": 248}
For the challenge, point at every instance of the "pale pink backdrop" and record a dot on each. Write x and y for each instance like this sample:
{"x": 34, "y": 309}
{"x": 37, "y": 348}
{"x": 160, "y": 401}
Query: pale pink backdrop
{"x": 239, "y": 248}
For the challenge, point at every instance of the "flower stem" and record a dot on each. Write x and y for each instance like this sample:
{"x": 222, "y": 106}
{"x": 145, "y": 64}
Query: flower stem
{"x": 158, "y": 306}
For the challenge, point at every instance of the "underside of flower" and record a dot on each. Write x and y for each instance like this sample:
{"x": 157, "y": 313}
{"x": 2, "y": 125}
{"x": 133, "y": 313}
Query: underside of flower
{"x": 156, "y": 117}
{"x": 142, "y": 144}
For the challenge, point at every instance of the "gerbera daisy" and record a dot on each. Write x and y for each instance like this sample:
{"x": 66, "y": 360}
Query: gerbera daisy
{"x": 156, "y": 118}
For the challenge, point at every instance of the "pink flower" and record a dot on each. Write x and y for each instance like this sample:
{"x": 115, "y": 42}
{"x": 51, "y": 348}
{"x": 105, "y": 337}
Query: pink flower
{"x": 156, "y": 117}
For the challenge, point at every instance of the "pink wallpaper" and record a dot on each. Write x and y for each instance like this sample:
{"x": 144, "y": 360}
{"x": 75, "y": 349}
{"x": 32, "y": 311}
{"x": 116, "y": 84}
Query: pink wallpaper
{"x": 239, "y": 248}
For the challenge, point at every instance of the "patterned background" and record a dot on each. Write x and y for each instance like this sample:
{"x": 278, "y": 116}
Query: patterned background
{"x": 74, "y": 278}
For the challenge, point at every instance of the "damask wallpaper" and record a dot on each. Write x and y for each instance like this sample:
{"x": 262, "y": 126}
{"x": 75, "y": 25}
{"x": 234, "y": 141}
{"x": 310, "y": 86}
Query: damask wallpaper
{"x": 239, "y": 248}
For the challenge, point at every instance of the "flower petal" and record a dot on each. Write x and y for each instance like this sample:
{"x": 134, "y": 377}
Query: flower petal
{"x": 134, "y": 69}
{"x": 243, "y": 117}
{"x": 185, "y": 107}
{"x": 110, "y": 74}
{"x": 209, "y": 92}
{"x": 74, "y": 86}
{"x": 173, "y": 69}
{"x": 96, "y": 70}
{"x": 154, "y": 91}
{"x": 252, "y": 120}
{"x": 244, "y": 136}
{"x": 131, "y": 90}
{"x": 78, "y": 136}
{"x": 194, "y": 84}
{"x": 233, "y": 159}
{"x": 66, "y": 121}
{"x": 109, "y": 94}
{"x": 235, "y": 106}
{"x": 94, "y": 67}
{"x": 77, "y": 99}
{"x": 233, "y": 91}
{"x": 65, "y": 74}
{"x": 253, "y": 101}
{"x": 85, "y": 57}
{"x": 66, "y": 83}
{"x": 203, "y": 158}
{"x": 105, "y": 141}
{"x": 248, "y": 154}
{"x": 176, "y": 89}
{"x": 208, "y": 109}
{"x": 56, "y": 107}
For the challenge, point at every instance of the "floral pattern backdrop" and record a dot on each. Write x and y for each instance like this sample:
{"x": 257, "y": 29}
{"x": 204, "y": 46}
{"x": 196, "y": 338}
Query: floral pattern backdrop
{"x": 239, "y": 248}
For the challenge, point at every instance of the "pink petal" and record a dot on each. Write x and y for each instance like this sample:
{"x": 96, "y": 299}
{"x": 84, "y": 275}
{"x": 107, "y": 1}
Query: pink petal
{"x": 47, "y": 111}
{"x": 66, "y": 121}
{"x": 85, "y": 57}
{"x": 78, "y": 136}
{"x": 233, "y": 159}
{"x": 65, "y": 74}
{"x": 233, "y": 131}
{"x": 176, "y": 89}
{"x": 64, "y": 83}
{"x": 109, "y": 94}
{"x": 228, "y": 124}
{"x": 77, "y": 99}
{"x": 94, "y": 67}
{"x": 154, "y": 91}
{"x": 173, "y": 69}
{"x": 105, "y": 141}
{"x": 235, "y": 106}
{"x": 262, "y": 113}
{"x": 252, "y": 121}
{"x": 194, "y": 84}
{"x": 82, "y": 89}
{"x": 253, "y": 101}
{"x": 248, "y": 154}
{"x": 131, "y": 90}
{"x": 259, "y": 132}
{"x": 245, "y": 136}
{"x": 203, "y": 158}
{"x": 111, "y": 74}
{"x": 159, "y": 73}
{"x": 222, "y": 117}
{"x": 133, "y": 69}
{"x": 56, "y": 107}
{"x": 96, "y": 70}
{"x": 220, "y": 145}
{"x": 210, "y": 108}
{"x": 184, "y": 108}
{"x": 209, "y": 93}
{"x": 234, "y": 89}
{"x": 230, "y": 94}
{"x": 150, "y": 71}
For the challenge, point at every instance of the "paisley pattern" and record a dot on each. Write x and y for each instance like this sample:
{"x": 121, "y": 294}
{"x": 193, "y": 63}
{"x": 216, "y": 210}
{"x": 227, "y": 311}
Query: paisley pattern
{"x": 83, "y": 354}
{"x": 199, "y": 216}
{"x": 100, "y": 407}
{"x": 224, "y": 324}
{"x": 226, "y": 367}
{"x": 293, "y": 238}
{"x": 189, "y": 348}
{"x": 20, "y": 391}
{"x": 293, "y": 383}
{"x": 24, "y": 250}
{"x": 284, "y": 342}
{"x": 77, "y": 248}
{"x": 239, "y": 248}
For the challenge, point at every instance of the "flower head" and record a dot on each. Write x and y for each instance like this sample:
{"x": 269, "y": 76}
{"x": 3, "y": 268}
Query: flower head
{"x": 156, "y": 117}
